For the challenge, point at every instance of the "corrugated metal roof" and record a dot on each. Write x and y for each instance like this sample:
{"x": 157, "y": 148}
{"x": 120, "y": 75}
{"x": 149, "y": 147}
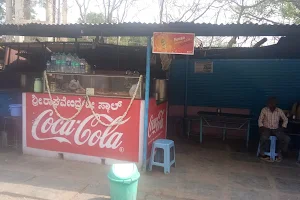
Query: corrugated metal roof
{"x": 143, "y": 29}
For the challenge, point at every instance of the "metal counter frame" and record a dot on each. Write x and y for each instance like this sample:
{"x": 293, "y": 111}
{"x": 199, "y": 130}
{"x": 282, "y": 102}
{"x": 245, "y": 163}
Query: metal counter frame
{"x": 206, "y": 119}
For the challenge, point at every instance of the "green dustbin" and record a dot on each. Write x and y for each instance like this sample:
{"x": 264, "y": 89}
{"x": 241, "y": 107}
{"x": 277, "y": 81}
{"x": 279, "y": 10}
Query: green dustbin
{"x": 123, "y": 181}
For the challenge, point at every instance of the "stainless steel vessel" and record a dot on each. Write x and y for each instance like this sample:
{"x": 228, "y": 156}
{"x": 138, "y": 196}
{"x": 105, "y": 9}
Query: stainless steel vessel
{"x": 160, "y": 91}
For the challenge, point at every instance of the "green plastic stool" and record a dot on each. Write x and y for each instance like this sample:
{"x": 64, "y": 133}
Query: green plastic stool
{"x": 123, "y": 181}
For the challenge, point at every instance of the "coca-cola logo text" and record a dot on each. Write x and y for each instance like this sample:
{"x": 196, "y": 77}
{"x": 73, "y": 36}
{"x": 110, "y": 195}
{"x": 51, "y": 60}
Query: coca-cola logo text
{"x": 80, "y": 131}
{"x": 156, "y": 123}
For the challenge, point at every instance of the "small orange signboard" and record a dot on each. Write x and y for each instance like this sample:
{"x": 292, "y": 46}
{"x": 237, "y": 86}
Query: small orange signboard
{"x": 173, "y": 43}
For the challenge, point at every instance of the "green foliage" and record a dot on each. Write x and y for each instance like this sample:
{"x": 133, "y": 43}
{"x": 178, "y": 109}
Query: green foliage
{"x": 93, "y": 18}
{"x": 128, "y": 41}
{"x": 97, "y": 18}
{"x": 134, "y": 41}
{"x": 32, "y": 12}
{"x": 291, "y": 11}
{"x": 123, "y": 41}
{"x": 42, "y": 3}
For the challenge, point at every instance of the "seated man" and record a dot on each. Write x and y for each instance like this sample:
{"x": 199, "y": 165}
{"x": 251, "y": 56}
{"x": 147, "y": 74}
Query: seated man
{"x": 268, "y": 123}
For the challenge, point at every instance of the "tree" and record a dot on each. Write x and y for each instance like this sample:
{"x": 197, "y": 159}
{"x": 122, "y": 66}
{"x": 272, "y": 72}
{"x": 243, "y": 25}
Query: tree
{"x": 26, "y": 6}
{"x": 83, "y": 6}
{"x": 27, "y": 9}
{"x": 190, "y": 11}
{"x": 296, "y": 3}
{"x": 254, "y": 11}
{"x": 291, "y": 11}
{"x": 96, "y": 18}
{"x": 6, "y": 10}
{"x": 64, "y": 11}
{"x": 93, "y": 18}
{"x": 115, "y": 10}
{"x": 184, "y": 11}
{"x": 56, "y": 10}
{"x": 133, "y": 41}
{"x": 50, "y": 10}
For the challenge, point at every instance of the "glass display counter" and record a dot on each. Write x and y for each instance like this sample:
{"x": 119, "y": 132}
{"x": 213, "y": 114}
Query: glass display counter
{"x": 95, "y": 85}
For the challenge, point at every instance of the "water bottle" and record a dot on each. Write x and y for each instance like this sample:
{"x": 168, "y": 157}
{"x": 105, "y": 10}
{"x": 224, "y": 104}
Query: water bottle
{"x": 77, "y": 65}
{"x": 63, "y": 63}
{"x": 53, "y": 62}
{"x": 72, "y": 66}
{"x": 87, "y": 68}
{"x": 73, "y": 63}
{"x": 37, "y": 85}
{"x": 48, "y": 68}
{"x": 58, "y": 62}
{"x": 218, "y": 111}
{"x": 82, "y": 66}
{"x": 69, "y": 63}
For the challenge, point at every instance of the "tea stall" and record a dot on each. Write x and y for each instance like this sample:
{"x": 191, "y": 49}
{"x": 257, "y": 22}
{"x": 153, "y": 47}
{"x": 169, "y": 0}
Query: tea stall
{"x": 84, "y": 115}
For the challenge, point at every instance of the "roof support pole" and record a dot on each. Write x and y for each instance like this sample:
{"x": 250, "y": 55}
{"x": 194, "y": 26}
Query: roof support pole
{"x": 147, "y": 90}
{"x": 18, "y": 58}
{"x": 186, "y": 85}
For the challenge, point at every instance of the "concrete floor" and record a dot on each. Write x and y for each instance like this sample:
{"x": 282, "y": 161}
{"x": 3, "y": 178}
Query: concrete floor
{"x": 209, "y": 171}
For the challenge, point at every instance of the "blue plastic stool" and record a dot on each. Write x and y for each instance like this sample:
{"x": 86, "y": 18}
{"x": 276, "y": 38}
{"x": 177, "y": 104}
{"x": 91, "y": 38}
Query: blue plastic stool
{"x": 166, "y": 145}
{"x": 272, "y": 152}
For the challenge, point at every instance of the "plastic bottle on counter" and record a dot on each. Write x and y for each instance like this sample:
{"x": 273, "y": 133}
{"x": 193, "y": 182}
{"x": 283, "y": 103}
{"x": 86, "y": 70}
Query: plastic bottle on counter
{"x": 69, "y": 63}
{"x": 82, "y": 66}
{"x": 87, "y": 68}
{"x": 53, "y": 62}
{"x": 48, "y": 66}
{"x": 63, "y": 63}
{"x": 77, "y": 65}
{"x": 58, "y": 62}
{"x": 38, "y": 85}
{"x": 73, "y": 65}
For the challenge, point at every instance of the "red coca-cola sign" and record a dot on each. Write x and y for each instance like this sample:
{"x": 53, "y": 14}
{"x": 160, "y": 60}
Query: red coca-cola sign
{"x": 157, "y": 123}
{"x": 84, "y": 134}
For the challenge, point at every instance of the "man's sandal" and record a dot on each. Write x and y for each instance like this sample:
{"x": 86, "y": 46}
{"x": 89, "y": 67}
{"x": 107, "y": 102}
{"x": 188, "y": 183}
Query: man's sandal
{"x": 266, "y": 158}
{"x": 278, "y": 159}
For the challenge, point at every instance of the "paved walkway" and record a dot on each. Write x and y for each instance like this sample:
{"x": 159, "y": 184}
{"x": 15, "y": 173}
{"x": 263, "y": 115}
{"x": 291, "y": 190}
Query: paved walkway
{"x": 201, "y": 173}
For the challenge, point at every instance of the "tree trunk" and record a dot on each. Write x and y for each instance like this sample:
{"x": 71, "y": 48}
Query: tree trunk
{"x": 54, "y": 10}
{"x": 58, "y": 11}
{"x": 161, "y": 11}
{"x": 49, "y": 11}
{"x": 27, "y": 9}
{"x": 19, "y": 11}
{"x": 64, "y": 18}
{"x": 65, "y": 12}
{"x": 9, "y": 11}
{"x": 232, "y": 42}
{"x": 19, "y": 16}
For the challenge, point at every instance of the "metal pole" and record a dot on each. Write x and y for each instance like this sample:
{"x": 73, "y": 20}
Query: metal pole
{"x": 9, "y": 53}
{"x": 45, "y": 53}
{"x": 18, "y": 58}
{"x": 185, "y": 96}
{"x": 186, "y": 85}
{"x": 76, "y": 47}
{"x": 147, "y": 89}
